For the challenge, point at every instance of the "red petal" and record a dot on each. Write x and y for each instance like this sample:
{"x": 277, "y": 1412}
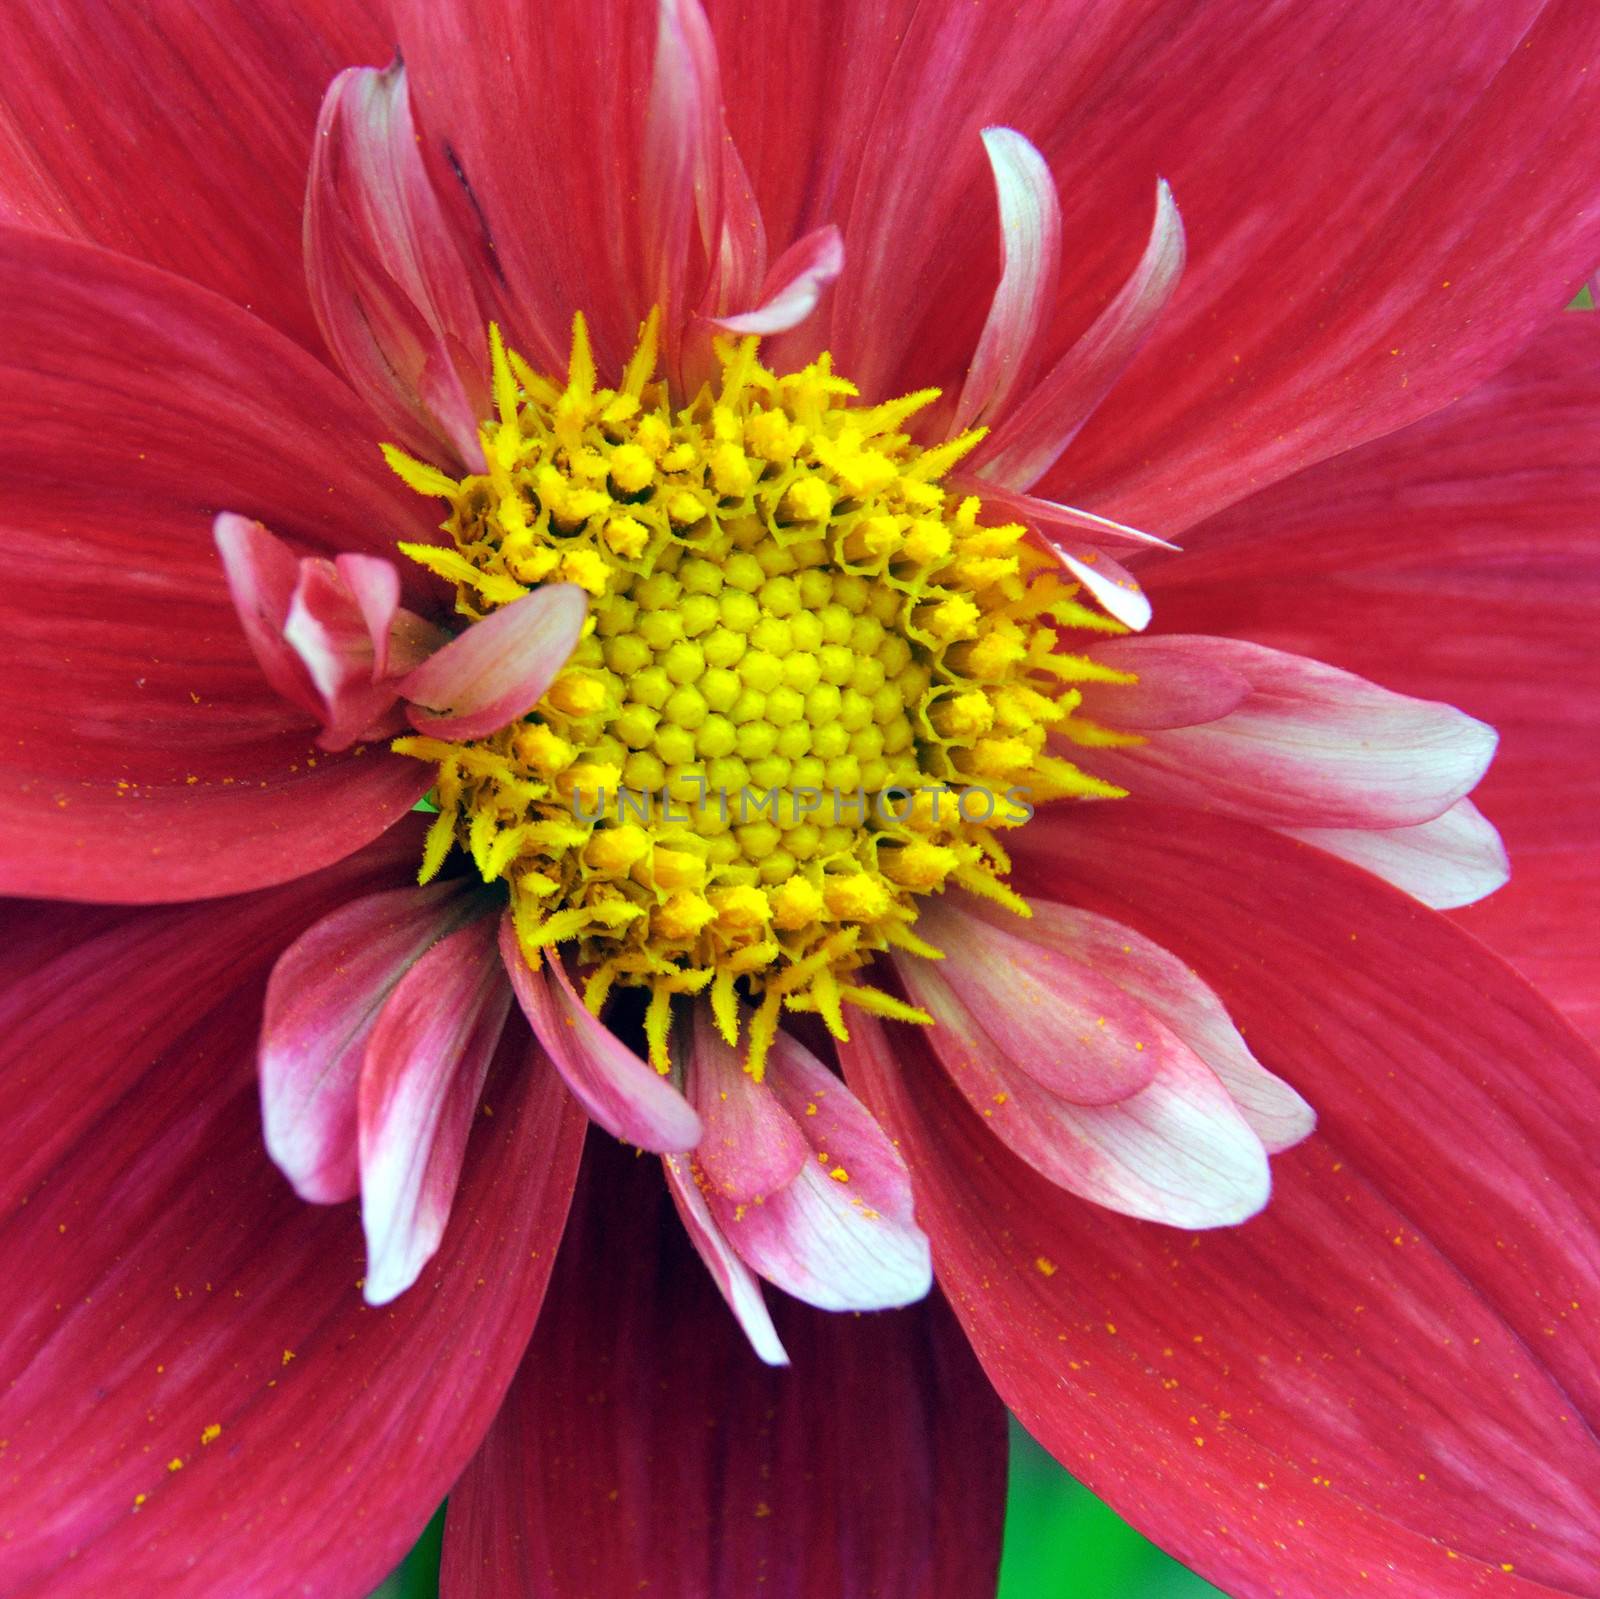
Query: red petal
{"x": 1310, "y": 746}
{"x": 793, "y": 286}
{"x": 103, "y": 112}
{"x": 145, "y": 756}
{"x": 630, "y": 1099}
{"x": 500, "y": 667}
{"x": 322, "y": 1004}
{"x": 1417, "y": 234}
{"x": 422, "y": 1078}
{"x": 174, "y": 1286}
{"x": 644, "y": 1448}
{"x": 1396, "y": 1348}
{"x": 390, "y": 287}
{"x": 1457, "y": 560}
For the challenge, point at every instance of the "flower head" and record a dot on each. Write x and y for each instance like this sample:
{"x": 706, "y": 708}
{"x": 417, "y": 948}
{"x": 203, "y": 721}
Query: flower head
{"x": 674, "y": 482}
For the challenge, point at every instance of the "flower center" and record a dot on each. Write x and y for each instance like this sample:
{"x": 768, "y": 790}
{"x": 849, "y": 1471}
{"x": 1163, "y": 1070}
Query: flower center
{"x": 815, "y": 684}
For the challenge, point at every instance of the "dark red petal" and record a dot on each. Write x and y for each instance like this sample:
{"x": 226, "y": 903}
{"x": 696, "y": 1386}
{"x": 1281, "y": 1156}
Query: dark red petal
{"x": 145, "y": 756}
{"x": 179, "y": 134}
{"x": 644, "y": 1448}
{"x": 166, "y": 1283}
{"x": 1458, "y": 560}
{"x": 1387, "y": 1378}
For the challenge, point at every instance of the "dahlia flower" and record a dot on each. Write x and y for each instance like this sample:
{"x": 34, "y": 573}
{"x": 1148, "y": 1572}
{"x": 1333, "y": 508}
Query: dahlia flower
{"x": 730, "y": 459}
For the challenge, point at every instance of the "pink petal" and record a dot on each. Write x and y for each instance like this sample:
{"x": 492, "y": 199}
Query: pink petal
{"x": 1173, "y": 685}
{"x": 184, "y": 1335}
{"x": 1030, "y": 261}
{"x": 1178, "y": 1152}
{"x": 389, "y": 285}
{"x": 500, "y": 667}
{"x": 739, "y": 1286}
{"x": 1144, "y": 971}
{"x": 422, "y": 1077}
{"x": 263, "y": 574}
{"x": 144, "y": 756}
{"x": 1047, "y": 515}
{"x": 1026, "y": 444}
{"x": 1456, "y": 859}
{"x": 1393, "y": 1349}
{"x": 842, "y": 1234}
{"x": 1070, "y": 1029}
{"x": 1457, "y": 561}
{"x": 780, "y": 1484}
{"x": 1110, "y": 583}
{"x": 793, "y": 286}
{"x": 102, "y": 143}
{"x": 750, "y": 1148}
{"x": 628, "y": 1098}
{"x": 1310, "y": 747}
{"x": 321, "y": 1006}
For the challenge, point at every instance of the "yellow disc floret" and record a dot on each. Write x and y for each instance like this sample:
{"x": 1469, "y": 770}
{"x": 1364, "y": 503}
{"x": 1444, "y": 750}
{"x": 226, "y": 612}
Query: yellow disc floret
{"x": 814, "y": 686}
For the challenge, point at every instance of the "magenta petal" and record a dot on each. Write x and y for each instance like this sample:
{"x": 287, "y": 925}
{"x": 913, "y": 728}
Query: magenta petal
{"x": 1171, "y": 685}
{"x": 263, "y": 574}
{"x": 643, "y": 1451}
{"x": 750, "y": 1148}
{"x": 622, "y": 1093}
{"x": 500, "y": 667}
{"x": 322, "y": 1004}
{"x": 793, "y": 286}
{"x": 1160, "y": 982}
{"x": 422, "y": 1076}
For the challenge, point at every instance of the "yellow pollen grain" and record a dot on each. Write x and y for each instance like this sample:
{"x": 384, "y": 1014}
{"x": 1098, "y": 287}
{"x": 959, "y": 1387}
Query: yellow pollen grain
{"x": 803, "y": 651}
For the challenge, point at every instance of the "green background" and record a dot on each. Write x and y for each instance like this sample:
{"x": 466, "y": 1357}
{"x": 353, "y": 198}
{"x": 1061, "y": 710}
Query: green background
{"x": 1061, "y": 1543}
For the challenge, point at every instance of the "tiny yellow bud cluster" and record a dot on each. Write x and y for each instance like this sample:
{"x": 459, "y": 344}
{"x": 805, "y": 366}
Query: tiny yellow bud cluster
{"x": 815, "y": 685}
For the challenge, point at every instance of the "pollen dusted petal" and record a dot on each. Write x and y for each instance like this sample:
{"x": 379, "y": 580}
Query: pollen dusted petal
{"x": 322, "y": 1003}
{"x": 1454, "y": 860}
{"x": 629, "y": 1099}
{"x": 842, "y": 1235}
{"x": 1113, "y": 586}
{"x": 1177, "y": 1152}
{"x": 499, "y": 668}
{"x": 738, "y": 1285}
{"x": 751, "y": 1147}
{"x": 1311, "y": 746}
{"x": 422, "y": 1075}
